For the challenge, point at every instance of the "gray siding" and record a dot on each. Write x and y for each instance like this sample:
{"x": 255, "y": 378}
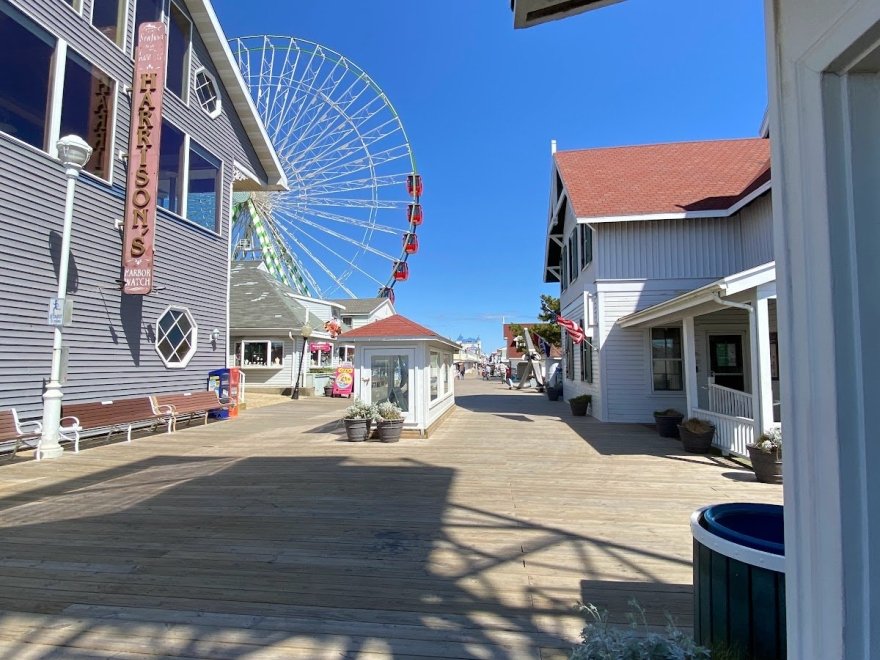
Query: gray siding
{"x": 626, "y": 359}
{"x": 110, "y": 341}
{"x": 576, "y": 386}
{"x": 756, "y": 220}
{"x": 669, "y": 249}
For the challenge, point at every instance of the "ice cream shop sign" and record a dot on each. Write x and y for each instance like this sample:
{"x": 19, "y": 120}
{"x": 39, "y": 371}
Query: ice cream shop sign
{"x": 143, "y": 159}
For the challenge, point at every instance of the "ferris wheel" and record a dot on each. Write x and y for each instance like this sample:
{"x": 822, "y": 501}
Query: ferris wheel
{"x": 347, "y": 225}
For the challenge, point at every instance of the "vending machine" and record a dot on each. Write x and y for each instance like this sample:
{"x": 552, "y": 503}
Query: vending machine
{"x": 226, "y": 382}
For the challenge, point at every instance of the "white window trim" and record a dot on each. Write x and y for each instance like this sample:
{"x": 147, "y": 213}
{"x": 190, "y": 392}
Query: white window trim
{"x": 268, "y": 343}
{"x": 187, "y": 58}
{"x": 76, "y": 7}
{"x": 125, "y": 5}
{"x": 219, "y": 109}
{"x": 194, "y": 344}
{"x": 678, "y": 392}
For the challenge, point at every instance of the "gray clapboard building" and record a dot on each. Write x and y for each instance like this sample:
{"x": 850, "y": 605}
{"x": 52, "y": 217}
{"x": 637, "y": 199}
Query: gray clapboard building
{"x": 67, "y": 69}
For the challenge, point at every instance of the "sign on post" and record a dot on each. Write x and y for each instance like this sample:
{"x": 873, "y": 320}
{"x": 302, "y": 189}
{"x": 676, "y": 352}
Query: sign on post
{"x": 143, "y": 159}
{"x": 60, "y": 312}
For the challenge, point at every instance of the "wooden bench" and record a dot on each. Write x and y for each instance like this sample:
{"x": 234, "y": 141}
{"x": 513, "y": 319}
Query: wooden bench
{"x": 188, "y": 405}
{"x": 112, "y": 415}
{"x": 13, "y": 433}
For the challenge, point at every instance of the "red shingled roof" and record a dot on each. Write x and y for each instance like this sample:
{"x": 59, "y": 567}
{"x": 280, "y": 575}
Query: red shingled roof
{"x": 663, "y": 178}
{"x": 393, "y": 326}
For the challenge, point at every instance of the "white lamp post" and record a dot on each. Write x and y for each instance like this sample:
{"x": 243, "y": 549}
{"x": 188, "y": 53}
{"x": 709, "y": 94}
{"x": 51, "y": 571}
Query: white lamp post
{"x": 305, "y": 333}
{"x": 73, "y": 152}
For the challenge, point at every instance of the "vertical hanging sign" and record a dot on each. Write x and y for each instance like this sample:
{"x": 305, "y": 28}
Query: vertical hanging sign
{"x": 143, "y": 159}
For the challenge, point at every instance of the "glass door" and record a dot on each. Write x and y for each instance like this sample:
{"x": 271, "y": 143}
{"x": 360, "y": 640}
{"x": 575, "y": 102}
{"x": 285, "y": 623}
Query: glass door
{"x": 390, "y": 379}
{"x": 726, "y": 361}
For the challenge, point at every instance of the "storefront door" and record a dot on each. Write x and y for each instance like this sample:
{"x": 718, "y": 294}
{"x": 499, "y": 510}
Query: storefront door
{"x": 390, "y": 375}
{"x": 726, "y": 361}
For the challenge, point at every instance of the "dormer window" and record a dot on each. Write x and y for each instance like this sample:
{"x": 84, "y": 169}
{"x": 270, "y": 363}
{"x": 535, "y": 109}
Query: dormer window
{"x": 206, "y": 92}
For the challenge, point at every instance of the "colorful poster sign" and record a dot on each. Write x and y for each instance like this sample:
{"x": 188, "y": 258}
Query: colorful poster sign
{"x": 343, "y": 384}
{"x": 143, "y": 159}
{"x": 323, "y": 347}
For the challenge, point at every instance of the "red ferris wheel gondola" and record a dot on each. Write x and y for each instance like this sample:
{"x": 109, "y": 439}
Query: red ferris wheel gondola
{"x": 414, "y": 185}
{"x": 401, "y": 271}
{"x": 410, "y": 243}
{"x": 414, "y": 214}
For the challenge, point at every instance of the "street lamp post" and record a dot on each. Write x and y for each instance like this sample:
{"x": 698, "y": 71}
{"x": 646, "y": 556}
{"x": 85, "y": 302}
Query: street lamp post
{"x": 73, "y": 152}
{"x": 305, "y": 332}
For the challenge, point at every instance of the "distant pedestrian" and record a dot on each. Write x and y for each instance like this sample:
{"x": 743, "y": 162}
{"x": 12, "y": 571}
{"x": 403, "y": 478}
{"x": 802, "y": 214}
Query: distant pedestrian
{"x": 508, "y": 377}
{"x": 461, "y": 371}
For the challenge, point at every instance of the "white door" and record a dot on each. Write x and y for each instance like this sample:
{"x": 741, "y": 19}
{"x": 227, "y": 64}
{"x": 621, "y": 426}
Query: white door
{"x": 391, "y": 377}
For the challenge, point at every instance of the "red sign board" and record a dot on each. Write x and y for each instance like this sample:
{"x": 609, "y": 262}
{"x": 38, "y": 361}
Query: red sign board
{"x": 148, "y": 87}
{"x": 343, "y": 384}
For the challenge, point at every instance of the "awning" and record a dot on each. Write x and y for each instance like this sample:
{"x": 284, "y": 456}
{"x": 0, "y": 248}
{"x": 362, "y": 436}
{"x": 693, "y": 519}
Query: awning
{"x": 701, "y": 301}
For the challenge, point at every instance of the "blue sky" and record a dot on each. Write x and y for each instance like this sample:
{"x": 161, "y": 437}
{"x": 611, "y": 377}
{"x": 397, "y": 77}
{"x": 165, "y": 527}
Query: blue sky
{"x": 481, "y": 102}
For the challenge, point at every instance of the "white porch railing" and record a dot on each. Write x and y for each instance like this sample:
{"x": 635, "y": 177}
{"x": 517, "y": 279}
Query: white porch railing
{"x": 732, "y": 433}
{"x": 732, "y": 403}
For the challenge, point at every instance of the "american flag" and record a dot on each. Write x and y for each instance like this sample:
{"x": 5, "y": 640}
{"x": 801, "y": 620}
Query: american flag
{"x": 573, "y": 329}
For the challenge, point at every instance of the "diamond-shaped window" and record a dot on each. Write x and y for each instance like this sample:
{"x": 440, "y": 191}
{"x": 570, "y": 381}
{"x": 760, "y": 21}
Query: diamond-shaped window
{"x": 207, "y": 93}
{"x": 176, "y": 337}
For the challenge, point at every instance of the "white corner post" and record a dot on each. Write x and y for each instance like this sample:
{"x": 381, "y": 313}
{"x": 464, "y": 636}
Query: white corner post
{"x": 762, "y": 388}
{"x": 689, "y": 351}
{"x": 73, "y": 152}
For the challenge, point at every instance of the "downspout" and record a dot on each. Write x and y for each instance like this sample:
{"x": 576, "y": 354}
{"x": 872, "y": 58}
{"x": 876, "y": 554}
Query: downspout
{"x": 753, "y": 344}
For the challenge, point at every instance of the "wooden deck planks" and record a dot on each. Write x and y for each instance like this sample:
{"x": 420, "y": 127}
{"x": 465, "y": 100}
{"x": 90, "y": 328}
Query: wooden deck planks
{"x": 269, "y": 536}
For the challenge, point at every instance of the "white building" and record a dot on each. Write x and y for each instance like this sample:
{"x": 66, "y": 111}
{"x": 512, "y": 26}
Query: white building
{"x": 664, "y": 254}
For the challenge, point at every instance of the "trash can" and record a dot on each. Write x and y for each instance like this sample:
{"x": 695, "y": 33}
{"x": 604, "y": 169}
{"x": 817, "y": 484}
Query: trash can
{"x": 739, "y": 578}
{"x": 226, "y": 383}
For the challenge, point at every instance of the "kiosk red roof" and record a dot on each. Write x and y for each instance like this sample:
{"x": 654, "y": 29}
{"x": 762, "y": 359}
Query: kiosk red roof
{"x": 393, "y": 326}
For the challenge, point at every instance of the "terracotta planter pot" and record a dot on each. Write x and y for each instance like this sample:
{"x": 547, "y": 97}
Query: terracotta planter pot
{"x": 696, "y": 443}
{"x": 766, "y": 464}
{"x": 357, "y": 430}
{"x": 667, "y": 425}
{"x": 390, "y": 430}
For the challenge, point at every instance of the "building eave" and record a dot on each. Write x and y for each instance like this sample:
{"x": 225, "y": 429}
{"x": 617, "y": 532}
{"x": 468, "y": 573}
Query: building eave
{"x": 212, "y": 34}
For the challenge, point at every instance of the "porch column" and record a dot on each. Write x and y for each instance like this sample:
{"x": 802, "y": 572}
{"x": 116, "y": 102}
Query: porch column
{"x": 759, "y": 340}
{"x": 689, "y": 352}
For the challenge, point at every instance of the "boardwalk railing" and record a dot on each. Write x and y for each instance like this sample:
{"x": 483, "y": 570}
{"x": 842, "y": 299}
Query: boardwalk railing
{"x": 732, "y": 403}
{"x": 732, "y": 433}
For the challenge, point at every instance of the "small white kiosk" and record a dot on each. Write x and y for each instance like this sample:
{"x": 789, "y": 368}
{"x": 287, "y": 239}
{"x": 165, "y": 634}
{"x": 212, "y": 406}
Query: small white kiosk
{"x": 398, "y": 360}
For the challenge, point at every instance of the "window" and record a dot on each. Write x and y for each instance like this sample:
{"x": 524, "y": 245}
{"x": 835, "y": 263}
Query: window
{"x": 109, "y": 17}
{"x": 666, "y": 359}
{"x": 75, "y": 4}
{"x": 435, "y": 375}
{"x": 261, "y": 354}
{"x": 177, "y": 76}
{"x": 24, "y": 90}
{"x": 447, "y": 370}
{"x": 146, "y": 11}
{"x": 176, "y": 337}
{"x": 87, "y": 110}
{"x": 586, "y": 360}
{"x": 564, "y": 261}
{"x": 206, "y": 93}
{"x": 573, "y": 253}
{"x": 586, "y": 245}
{"x": 202, "y": 187}
{"x": 569, "y": 357}
{"x": 170, "y": 189}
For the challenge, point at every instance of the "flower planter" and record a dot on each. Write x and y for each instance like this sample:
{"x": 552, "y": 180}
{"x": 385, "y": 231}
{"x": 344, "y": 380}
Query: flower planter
{"x": 579, "y": 406}
{"x": 357, "y": 430}
{"x": 328, "y": 390}
{"x": 553, "y": 393}
{"x": 390, "y": 430}
{"x": 695, "y": 443}
{"x": 766, "y": 464}
{"x": 667, "y": 425}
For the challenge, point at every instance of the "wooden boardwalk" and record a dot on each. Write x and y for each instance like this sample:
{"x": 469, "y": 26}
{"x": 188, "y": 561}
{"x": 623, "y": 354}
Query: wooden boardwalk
{"x": 270, "y": 537}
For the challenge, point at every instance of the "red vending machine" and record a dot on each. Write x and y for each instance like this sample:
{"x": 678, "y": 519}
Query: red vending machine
{"x": 226, "y": 382}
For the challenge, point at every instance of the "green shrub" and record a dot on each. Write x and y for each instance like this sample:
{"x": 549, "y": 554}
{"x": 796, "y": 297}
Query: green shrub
{"x": 581, "y": 399}
{"x": 669, "y": 412}
{"x": 697, "y": 425}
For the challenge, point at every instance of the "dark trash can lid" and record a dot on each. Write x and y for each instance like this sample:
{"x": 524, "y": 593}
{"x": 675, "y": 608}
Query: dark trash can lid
{"x": 756, "y": 526}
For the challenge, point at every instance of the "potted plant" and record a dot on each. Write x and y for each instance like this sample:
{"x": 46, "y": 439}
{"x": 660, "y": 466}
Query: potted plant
{"x": 696, "y": 435}
{"x": 580, "y": 404}
{"x": 766, "y": 456}
{"x": 328, "y": 388}
{"x": 390, "y": 422}
{"x": 358, "y": 418}
{"x": 667, "y": 422}
{"x": 553, "y": 392}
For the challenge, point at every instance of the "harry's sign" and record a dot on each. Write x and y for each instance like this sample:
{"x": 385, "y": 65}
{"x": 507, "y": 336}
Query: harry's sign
{"x": 143, "y": 159}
